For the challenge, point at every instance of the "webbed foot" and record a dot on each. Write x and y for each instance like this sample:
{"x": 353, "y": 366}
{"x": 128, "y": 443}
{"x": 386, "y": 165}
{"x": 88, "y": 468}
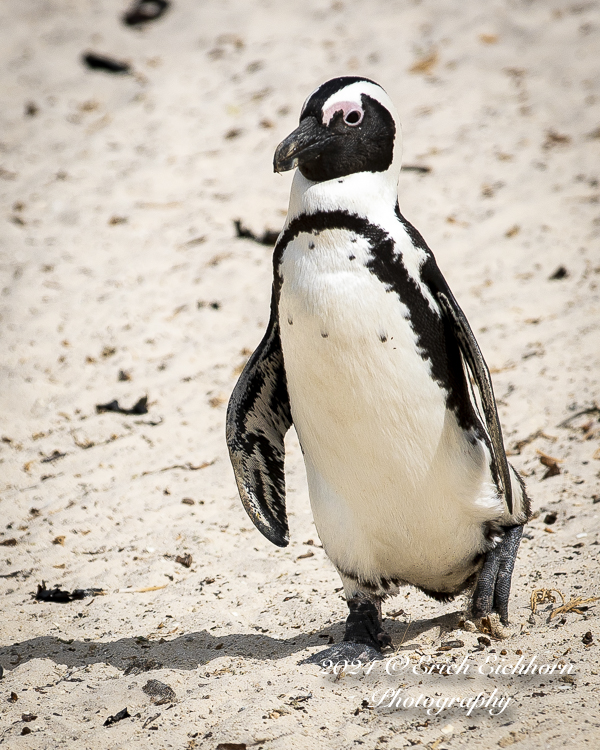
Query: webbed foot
{"x": 363, "y": 624}
{"x": 490, "y": 600}
{"x": 364, "y": 637}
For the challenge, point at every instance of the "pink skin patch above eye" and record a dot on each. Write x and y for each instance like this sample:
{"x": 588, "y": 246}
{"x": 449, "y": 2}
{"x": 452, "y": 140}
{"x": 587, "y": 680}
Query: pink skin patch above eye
{"x": 351, "y": 112}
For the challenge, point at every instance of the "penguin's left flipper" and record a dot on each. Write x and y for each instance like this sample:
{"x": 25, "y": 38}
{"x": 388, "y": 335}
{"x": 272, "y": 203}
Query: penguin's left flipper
{"x": 493, "y": 585}
{"x": 472, "y": 356}
{"x": 258, "y": 416}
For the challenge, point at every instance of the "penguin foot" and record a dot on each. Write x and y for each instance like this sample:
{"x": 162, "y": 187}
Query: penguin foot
{"x": 363, "y": 624}
{"x": 364, "y": 637}
{"x": 345, "y": 652}
{"x": 490, "y": 600}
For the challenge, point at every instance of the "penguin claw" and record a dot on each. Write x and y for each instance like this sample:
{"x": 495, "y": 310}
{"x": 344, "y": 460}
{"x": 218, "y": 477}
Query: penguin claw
{"x": 346, "y": 651}
{"x": 489, "y": 625}
{"x": 492, "y": 624}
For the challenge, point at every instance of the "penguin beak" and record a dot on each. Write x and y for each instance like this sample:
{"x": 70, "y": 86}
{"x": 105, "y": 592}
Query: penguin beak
{"x": 307, "y": 142}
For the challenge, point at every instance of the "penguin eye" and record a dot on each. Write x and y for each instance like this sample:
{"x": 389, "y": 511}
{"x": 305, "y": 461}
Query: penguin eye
{"x": 354, "y": 117}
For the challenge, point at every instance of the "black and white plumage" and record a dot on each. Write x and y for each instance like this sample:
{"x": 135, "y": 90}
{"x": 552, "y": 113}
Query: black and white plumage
{"x": 370, "y": 357}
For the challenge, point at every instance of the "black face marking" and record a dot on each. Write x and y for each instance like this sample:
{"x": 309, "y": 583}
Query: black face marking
{"x": 366, "y": 147}
{"x": 290, "y": 321}
{"x": 436, "y": 341}
{"x": 352, "y": 257}
{"x": 324, "y": 335}
{"x": 382, "y": 338}
{"x": 311, "y": 245}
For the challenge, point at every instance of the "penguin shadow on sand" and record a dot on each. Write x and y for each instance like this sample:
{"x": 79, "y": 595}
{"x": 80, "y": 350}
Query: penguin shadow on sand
{"x": 408, "y": 634}
{"x": 197, "y": 649}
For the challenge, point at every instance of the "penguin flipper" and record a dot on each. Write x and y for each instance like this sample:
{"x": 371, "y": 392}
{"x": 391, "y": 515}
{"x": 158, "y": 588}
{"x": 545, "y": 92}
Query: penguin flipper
{"x": 258, "y": 416}
{"x": 472, "y": 356}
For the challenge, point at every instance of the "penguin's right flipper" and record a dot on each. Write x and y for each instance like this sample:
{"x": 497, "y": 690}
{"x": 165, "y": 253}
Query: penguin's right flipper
{"x": 258, "y": 416}
{"x": 475, "y": 362}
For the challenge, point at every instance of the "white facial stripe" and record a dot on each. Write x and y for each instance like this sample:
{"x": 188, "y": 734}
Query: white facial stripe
{"x": 353, "y": 93}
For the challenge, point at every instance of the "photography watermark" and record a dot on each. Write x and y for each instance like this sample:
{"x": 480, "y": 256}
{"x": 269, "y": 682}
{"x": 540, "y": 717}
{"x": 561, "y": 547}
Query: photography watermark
{"x": 492, "y": 665}
{"x": 494, "y": 703}
{"x": 468, "y": 667}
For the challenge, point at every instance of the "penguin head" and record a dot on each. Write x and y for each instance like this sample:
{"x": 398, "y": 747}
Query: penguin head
{"x": 347, "y": 126}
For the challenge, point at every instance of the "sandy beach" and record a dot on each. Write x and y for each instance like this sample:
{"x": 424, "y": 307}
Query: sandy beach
{"x": 122, "y": 278}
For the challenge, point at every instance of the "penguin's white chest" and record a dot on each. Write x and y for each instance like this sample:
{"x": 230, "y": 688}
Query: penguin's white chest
{"x": 352, "y": 358}
{"x": 396, "y": 488}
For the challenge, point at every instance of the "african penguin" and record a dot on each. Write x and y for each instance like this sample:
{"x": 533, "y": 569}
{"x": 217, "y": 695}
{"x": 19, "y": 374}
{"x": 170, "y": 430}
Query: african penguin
{"x": 370, "y": 357}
